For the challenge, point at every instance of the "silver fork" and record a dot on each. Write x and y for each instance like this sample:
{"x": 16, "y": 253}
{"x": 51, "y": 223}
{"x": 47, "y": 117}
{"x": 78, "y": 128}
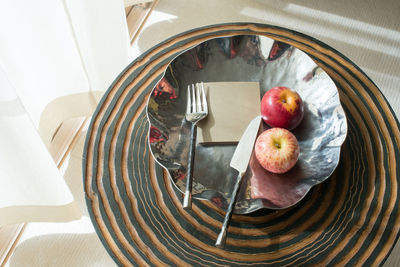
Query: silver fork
{"x": 196, "y": 110}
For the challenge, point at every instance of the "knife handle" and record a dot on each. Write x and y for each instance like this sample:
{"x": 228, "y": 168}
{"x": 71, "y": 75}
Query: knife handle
{"x": 187, "y": 200}
{"x": 220, "y": 243}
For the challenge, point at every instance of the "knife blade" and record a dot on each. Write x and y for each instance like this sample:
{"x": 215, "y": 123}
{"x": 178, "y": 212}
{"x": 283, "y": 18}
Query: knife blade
{"x": 240, "y": 161}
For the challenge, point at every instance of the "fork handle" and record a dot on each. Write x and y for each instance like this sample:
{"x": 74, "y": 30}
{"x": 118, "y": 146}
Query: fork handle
{"x": 187, "y": 200}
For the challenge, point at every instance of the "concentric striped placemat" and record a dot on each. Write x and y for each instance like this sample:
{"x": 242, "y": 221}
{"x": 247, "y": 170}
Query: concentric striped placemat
{"x": 352, "y": 218}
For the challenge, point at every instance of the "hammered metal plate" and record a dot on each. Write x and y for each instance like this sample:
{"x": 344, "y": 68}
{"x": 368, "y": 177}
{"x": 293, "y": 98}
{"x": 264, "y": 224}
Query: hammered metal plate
{"x": 271, "y": 63}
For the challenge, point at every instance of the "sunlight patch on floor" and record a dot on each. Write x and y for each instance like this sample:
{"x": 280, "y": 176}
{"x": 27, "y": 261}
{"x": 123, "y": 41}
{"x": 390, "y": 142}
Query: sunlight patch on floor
{"x": 358, "y": 34}
{"x": 82, "y": 226}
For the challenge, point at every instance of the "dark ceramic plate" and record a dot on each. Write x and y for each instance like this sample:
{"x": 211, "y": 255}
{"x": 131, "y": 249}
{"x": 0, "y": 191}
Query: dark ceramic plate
{"x": 352, "y": 218}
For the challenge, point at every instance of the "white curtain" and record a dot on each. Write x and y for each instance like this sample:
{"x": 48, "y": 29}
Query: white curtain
{"x": 51, "y": 51}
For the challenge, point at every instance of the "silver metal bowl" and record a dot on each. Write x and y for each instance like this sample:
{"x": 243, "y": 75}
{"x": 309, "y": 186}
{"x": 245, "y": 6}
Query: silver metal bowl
{"x": 270, "y": 63}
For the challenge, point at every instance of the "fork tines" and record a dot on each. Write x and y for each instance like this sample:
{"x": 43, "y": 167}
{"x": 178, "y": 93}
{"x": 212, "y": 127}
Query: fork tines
{"x": 196, "y": 99}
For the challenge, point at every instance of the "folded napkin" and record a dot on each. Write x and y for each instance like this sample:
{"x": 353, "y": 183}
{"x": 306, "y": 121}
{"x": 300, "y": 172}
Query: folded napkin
{"x": 231, "y": 106}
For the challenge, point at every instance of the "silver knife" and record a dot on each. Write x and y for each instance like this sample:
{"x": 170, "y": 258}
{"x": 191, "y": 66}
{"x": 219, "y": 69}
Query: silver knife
{"x": 240, "y": 161}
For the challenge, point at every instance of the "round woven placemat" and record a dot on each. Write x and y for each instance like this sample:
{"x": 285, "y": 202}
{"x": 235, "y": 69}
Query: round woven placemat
{"x": 350, "y": 219}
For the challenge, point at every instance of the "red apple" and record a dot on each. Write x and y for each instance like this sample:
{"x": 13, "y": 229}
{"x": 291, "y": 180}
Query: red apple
{"x": 277, "y": 150}
{"x": 282, "y": 107}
